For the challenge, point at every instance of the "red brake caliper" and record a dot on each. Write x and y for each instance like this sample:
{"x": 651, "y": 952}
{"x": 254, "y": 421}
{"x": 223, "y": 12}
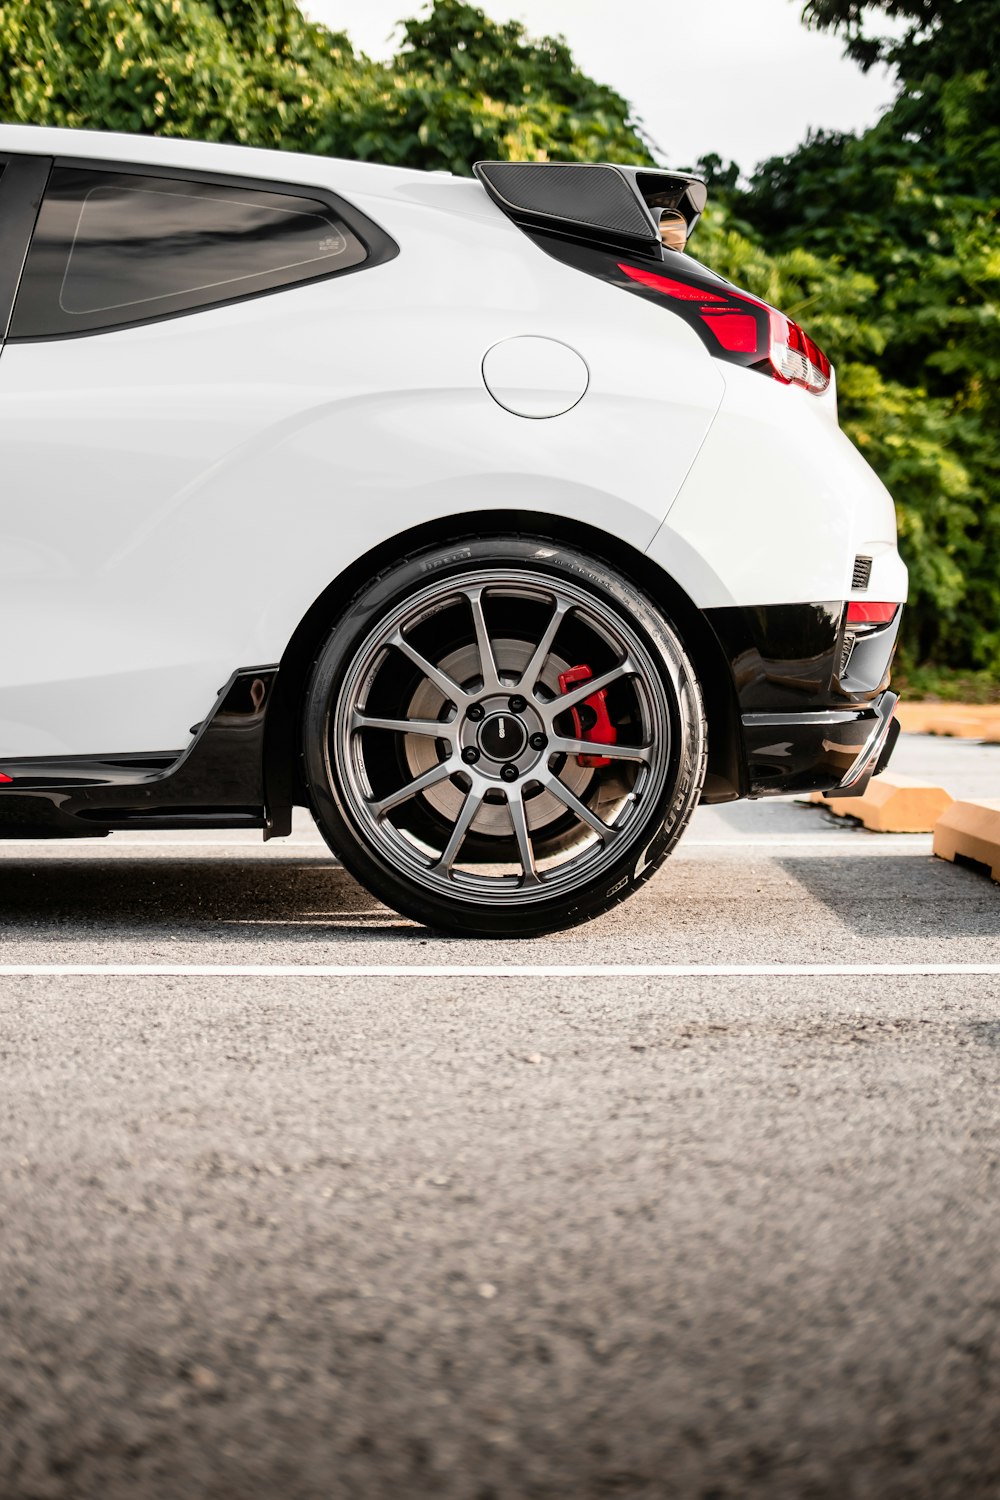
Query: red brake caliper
{"x": 590, "y": 718}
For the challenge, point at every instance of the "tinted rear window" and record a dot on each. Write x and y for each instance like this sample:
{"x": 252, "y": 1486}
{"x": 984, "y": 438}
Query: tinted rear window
{"x": 116, "y": 248}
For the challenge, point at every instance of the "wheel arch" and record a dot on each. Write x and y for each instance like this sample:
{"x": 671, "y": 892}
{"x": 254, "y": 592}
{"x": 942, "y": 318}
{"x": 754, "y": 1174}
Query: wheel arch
{"x": 726, "y": 777}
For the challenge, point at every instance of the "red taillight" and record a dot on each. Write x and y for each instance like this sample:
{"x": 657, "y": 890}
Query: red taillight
{"x": 865, "y": 612}
{"x": 744, "y": 330}
{"x": 734, "y": 330}
{"x": 794, "y": 356}
{"x": 4, "y": 778}
{"x": 669, "y": 287}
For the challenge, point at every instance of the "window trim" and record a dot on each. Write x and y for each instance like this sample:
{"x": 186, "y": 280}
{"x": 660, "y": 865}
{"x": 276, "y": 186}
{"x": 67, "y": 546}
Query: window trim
{"x": 22, "y": 187}
{"x": 379, "y": 246}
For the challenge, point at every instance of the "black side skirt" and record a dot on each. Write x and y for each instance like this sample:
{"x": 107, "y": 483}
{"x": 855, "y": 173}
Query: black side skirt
{"x": 217, "y": 782}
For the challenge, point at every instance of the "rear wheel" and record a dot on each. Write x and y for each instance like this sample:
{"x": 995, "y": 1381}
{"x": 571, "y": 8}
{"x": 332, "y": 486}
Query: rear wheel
{"x": 503, "y": 737}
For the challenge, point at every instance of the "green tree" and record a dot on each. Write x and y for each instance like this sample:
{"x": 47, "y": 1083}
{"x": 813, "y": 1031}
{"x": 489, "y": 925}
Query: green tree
{"x": 258, "y": 73}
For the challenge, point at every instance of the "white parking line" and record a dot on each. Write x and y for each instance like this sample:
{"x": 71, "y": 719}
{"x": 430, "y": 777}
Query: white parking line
{"x": 846, "y": 843}
{"x": 853, "y": 843}
{"x": 101, "y": 846}
{"x": 488, "y": 971}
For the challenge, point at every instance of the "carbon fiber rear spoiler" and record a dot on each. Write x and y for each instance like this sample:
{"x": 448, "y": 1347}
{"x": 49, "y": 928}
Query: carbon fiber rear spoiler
{"x": 593, "y": 200}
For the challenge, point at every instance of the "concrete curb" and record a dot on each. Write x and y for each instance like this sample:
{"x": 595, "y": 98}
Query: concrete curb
{"x": 971, "y": 830}
{"x": 966, "y": 829}
{"x": 892, "y": 803}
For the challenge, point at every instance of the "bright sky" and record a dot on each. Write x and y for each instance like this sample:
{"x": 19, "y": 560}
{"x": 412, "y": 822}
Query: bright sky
{"x": 743, "y": 78}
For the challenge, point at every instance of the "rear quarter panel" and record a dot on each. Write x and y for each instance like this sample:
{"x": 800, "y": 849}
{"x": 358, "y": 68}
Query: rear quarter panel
{"x": 178, "y": 494}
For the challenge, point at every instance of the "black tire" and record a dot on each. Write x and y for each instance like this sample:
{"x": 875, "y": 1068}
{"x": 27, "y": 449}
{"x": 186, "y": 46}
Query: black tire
{"x": 656, "y": 687}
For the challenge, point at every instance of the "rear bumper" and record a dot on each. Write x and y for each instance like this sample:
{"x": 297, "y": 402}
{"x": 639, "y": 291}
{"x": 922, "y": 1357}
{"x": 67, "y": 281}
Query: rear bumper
{"x": 836, "y": 751}
{"x": 811, "y": 706}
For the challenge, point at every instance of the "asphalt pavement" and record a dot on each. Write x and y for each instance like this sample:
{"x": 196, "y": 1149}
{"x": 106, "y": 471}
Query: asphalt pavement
{"x": 524, "y": 1225}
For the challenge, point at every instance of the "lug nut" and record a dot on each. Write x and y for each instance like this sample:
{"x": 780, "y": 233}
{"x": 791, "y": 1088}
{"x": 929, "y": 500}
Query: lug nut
{"x": 517, "y": 704}
{"x": 538, "y": 742}
{"x": 476, "y": 712}
{"x": 470, "y": 755}
{"x": 508, "y": 772}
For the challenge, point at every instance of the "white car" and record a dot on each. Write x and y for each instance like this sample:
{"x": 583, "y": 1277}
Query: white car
{"x": 461, "y": 511}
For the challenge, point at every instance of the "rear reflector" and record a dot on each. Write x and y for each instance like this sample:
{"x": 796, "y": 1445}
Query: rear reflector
{"x": 737, "y": 327}
{"x": 865, "y": 612}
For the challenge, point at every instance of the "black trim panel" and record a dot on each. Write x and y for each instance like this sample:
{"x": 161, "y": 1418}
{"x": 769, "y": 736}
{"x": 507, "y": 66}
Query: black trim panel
{"x": 593, "y": 199}
{"x": 22, "y": 184}
{"x": 788, "y": 656}
{"x": 866, "y": 655}
{"x": 781, "y": 655}
{"x": 217, "y": 782}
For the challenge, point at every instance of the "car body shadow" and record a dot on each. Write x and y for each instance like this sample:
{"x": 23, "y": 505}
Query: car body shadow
{"x": 901, "y": 895}
{"x": 257, "y": 898}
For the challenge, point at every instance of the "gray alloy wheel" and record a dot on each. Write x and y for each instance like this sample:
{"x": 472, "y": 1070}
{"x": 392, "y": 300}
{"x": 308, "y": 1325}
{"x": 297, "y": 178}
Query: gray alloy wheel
{"x": 453, "y": 739}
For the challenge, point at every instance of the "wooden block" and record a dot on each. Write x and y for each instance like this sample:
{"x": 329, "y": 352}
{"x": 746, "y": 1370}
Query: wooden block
{"x": 892, "y": 803}
{"x": 963, "y": 720}
{"x": 958, "y": 726}
{"x": 972, "y": 830}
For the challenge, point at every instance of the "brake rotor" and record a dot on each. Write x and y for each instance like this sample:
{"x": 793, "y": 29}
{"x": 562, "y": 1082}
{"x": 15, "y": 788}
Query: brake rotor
{"x": 427, "y": 702}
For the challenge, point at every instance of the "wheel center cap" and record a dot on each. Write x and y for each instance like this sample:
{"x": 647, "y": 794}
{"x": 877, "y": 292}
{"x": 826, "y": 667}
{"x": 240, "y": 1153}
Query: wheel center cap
{"x": 502, "y": 736}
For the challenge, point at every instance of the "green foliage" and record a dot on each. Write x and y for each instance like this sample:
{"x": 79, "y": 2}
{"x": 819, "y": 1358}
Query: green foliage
{"x": 256, "y": 72}
{"x": 940, "y": 39}
{"x": 534, "y": 86}
{"x": 946, "y": 684}
{"x": 884, "y": 244}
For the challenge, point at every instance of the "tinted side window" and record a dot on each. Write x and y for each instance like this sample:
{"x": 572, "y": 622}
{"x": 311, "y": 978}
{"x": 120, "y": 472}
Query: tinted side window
{"x": 116, "y": 248}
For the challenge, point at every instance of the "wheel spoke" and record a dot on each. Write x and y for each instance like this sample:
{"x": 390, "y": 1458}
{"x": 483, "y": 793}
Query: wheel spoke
{"x": 432, "y": 727}
{"x": 430, "y": 778}
{"x": 426, "y": 700}
{"x": 473, "y": 802}
{"x": 533, "y": 670}
{"x": 582, "y": 811}
{"x": 559, "y": 746}
{"x": 487, "y": 661}
{"x": 586, "y": 689}
{"x": 519, "y": 822}
{"x": 445, "y": 685}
